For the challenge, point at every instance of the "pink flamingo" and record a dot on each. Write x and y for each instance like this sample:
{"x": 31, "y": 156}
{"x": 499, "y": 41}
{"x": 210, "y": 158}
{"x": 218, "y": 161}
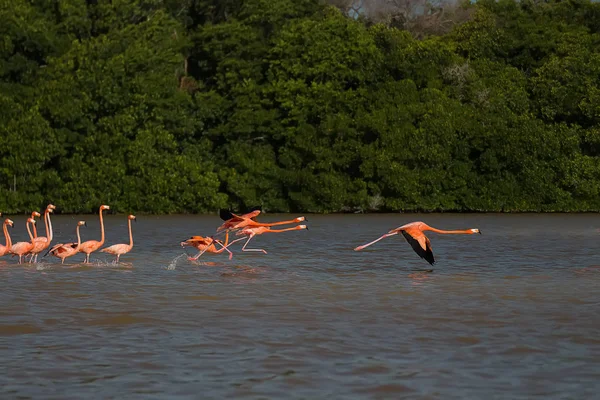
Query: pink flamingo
{"x": 34, "y": 215}
{"x": 4, "y": 250}
{"x": 235, "y": 219}
{"x": 207, "y": 244}
{"x": 93, "y": 245}
{"x": 64, "y": 250}
{"x": 41, "y": 243}
{"x": 259, "y": 230}
{"x": 118, "y": 249}
{"x": 22, "y": 248}
{"x": 413, "y": 233}
{"x": 249, "y": 222}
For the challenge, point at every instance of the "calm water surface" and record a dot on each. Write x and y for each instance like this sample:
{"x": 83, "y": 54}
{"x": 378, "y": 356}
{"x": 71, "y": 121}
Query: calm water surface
{"x": 510, "y": 314}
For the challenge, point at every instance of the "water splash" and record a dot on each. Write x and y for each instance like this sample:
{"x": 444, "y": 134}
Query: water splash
{"x": 173, "y": 262}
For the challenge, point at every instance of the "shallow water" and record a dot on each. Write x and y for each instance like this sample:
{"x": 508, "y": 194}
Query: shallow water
{"x": 510, "y": 314}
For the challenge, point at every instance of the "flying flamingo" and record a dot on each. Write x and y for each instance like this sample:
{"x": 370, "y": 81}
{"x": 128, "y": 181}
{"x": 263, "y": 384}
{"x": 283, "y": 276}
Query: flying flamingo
{"x": 93, "y": 245}
{"x": 118, "y": 249}
{"x": 251, "y": 223}
{"x": 22, "y": 248}
{"x": 4, "y": 250}
{"x": 206, "y": 244}
{"x": 41, "y": 243}
{"x": 413, "y": 233}
{"x": 231, "y": 219}
{"x": 64, "y": 250}
{"x": 259, "y": 230}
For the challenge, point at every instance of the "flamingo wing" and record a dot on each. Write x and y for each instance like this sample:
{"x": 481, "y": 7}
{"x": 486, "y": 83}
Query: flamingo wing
{"x": 420, "y": 244}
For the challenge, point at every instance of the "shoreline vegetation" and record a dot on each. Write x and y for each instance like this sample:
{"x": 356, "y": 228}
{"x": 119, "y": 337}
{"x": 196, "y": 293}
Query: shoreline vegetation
{"x": 301, "y": 106}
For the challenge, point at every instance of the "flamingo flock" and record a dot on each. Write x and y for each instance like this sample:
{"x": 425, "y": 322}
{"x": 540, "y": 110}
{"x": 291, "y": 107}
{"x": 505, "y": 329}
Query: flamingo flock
{"x": 38, "y": 244}
{"x": 245, "y": 226}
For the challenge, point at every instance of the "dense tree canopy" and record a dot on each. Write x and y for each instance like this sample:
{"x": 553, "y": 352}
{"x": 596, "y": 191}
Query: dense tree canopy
{"x": 165, "y": 106}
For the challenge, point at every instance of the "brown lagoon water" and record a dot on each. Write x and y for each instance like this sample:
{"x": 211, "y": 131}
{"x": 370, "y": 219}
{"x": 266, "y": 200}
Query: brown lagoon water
{"x": 510, "y": 314}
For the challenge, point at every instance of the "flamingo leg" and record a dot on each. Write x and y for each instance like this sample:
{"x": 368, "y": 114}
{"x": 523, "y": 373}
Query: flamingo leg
{"x": 87, "y": 258}
{"x": 375, "y": 241}
{"x": 225, "y": 247}
{"x": 245, "y": 244}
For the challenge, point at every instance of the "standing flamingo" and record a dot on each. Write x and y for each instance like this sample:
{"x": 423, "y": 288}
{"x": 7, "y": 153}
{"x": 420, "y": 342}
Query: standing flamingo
{"x": 4, "y": 250}
{"x": 413, "y": 233}
{"x": 64, "y": 250}
{"x": 118, "y": 249}
{"x": 40, "y": 243}
{"x": 93, "y": 245}
{"x": 35, "y": 214}
{"x": 259, "y": 230}
{"x": 22, "y": 248}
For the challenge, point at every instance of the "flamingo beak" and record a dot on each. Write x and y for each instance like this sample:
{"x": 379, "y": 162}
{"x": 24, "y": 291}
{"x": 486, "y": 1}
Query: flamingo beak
{"x": 479, "y": 232}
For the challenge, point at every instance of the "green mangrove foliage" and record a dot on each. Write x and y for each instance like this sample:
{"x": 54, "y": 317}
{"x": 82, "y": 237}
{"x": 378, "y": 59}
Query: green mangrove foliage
{"x": 164, "y": 106}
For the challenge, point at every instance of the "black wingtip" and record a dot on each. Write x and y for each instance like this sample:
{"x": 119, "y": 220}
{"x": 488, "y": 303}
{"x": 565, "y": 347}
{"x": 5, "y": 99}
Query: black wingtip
{"x": 259, "y": 208}
{"x": 225, "y": 214}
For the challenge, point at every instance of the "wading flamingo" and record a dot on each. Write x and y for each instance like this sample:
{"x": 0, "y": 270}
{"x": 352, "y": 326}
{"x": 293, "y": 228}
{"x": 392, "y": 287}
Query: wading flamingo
{"x": 41, "y": 243}
{"x": 64, "y": 250}
{"x": 22, "y": 248}
{"x": 35, "y": 214}
{"x": 413, "y": 233}
{"x": 259, "y": 230}
{"x": 4, "y": 250}
{"x": 93, "y": 245}
{"x": 118, "y": 249}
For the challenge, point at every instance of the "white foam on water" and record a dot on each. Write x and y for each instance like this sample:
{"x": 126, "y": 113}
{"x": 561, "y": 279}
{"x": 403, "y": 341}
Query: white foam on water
{"x": 173, "y": 262}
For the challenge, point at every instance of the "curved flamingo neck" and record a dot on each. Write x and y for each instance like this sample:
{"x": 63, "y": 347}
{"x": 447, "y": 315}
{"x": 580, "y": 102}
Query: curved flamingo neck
{"x": 46, "y": 222}
{"x": 50, "y": 235}
{"x": 29, "y": 231}
{"x": 7, "y": 237}
{"x": 34, "y": 228}
{"x": 130, "y": 235}
{"x": 101, "y": 228}
{"x": 78, "y": 238}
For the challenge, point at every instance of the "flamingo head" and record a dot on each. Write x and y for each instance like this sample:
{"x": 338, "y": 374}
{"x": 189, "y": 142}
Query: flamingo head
{"x": 104, "y": 207}
{"x": 50, "y": 207}
{"x": 300, "y": 219}
{"x": 8, "y": 222}
{"x": 475, "y": 231}
{"x": 35, "y": 214}
{"x": 302, "y": 227}
{"x": 132, "y": 217}
{"x": 81, "y": 223}
{"x": 31, "y": 220}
